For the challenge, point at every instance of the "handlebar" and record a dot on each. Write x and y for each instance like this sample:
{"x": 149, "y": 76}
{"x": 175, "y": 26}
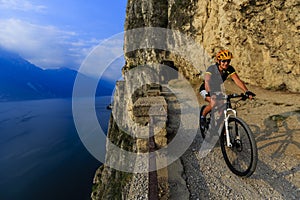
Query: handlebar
{"x": 242, "y": 95}
{"x": 231, "y": 96}
{"x": 234, "y": 95}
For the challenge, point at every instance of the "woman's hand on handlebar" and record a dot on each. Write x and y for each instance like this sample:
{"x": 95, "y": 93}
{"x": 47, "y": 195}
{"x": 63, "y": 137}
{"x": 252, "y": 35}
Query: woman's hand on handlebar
{"x": 249, "y": 94}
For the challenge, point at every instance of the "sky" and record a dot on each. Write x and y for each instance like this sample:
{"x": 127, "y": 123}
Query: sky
{"x": 59, "y": 33}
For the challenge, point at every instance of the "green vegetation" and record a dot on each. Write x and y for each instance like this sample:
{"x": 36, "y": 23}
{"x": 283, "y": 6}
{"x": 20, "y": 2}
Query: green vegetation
{"x": 110, "y": 183}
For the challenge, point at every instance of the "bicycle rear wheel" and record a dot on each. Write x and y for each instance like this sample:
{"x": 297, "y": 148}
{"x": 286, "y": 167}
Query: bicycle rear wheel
{"x": 242, "y": 157}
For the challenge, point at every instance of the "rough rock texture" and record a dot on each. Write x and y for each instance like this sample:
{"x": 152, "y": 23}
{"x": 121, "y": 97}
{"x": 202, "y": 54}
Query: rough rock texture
{"x": 263, "y": 35}
{"x": 264, "y": 38}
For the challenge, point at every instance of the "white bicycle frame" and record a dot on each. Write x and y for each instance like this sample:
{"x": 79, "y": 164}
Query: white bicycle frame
{"x": 228, "y": 113}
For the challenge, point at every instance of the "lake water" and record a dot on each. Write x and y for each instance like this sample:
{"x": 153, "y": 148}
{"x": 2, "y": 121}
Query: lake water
{"x": 41, "y": 155}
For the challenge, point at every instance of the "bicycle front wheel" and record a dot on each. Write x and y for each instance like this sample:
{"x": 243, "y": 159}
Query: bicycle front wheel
{"x": 242, "y": 156}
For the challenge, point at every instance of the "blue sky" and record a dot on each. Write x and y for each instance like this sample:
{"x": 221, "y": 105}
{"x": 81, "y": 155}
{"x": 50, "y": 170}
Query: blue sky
{"x": 58, "y": 33}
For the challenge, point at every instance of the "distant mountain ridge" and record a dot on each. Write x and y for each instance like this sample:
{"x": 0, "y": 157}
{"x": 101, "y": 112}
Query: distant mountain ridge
{"x": 22, "y": 80}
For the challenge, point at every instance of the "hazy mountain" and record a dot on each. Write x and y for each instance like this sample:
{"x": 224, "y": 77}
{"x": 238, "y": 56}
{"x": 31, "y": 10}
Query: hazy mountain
{"x": 20, "y": 80}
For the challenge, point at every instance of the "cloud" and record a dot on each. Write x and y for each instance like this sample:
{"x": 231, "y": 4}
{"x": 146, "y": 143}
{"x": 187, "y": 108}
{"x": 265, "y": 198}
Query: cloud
{"x": 45, "y": 46}
{"x": 106, "y": 59}
{"x": 50, "y": 47}
{"x": 21, "y": 5}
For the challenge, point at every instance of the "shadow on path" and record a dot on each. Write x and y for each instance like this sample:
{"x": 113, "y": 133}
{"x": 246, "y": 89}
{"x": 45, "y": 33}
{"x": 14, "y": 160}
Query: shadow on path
{"x": 279, "y": 134}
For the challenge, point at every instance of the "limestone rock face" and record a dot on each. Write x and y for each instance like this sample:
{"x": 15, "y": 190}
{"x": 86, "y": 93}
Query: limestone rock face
{"x": 263, "y": 36}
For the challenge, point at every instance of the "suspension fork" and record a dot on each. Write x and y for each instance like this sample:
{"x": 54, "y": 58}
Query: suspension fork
{"x": 227, "y": 113}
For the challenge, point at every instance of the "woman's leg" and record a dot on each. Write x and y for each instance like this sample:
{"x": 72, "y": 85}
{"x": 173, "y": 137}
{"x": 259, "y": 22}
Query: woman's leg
{"x": 207, "y": 109}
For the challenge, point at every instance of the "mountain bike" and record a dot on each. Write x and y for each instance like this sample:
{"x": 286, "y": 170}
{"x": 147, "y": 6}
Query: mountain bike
{"x": 236, "y": 138}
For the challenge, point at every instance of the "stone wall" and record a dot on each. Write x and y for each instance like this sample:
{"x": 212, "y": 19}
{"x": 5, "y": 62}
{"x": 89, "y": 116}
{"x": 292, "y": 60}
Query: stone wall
{"x": 137, "y": 100}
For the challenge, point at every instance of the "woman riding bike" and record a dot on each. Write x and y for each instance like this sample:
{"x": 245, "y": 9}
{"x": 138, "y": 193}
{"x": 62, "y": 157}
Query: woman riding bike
{"x": 214, "y": 77}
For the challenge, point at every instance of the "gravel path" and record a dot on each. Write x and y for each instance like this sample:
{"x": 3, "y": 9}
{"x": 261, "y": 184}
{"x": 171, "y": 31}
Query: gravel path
{"x": 209, "y": 177}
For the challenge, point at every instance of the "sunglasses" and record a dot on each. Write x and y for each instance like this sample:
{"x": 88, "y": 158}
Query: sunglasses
{"x": 224, "y": 61}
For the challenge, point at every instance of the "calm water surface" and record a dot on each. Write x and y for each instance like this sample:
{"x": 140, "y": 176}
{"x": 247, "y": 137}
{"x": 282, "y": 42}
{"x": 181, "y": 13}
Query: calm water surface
{"x": 41, "y": 155}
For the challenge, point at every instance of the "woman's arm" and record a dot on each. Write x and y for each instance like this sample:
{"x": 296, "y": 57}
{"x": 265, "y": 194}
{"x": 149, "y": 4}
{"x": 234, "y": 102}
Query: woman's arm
{"x": 239, "y": 82}
{"x": 241, "y": 85}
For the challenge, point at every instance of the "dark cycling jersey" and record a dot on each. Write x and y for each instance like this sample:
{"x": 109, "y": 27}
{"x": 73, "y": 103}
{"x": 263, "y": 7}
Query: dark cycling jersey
{"x": 217, "y": 77}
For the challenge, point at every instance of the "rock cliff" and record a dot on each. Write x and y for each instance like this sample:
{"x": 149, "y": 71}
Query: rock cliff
{"x": 264, "y": 38}
{"x": 263, "y": 35}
